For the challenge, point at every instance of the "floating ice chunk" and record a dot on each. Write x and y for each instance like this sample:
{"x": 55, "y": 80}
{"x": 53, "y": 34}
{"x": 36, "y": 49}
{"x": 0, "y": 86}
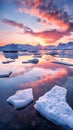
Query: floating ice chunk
{"x": 34, "y": 61}
{"x": 53, "y": 53}
{"x": 8, "y": 61}
{"x": 3, "y": 75}
{"x": 63, "y": 63}
{"x": 54, "y": 107}
{"x": 21, "y": 98}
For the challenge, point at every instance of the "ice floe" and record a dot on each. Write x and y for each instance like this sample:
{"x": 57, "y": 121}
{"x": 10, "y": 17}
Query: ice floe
{"x": 63, "y": 63}
{"x": 53, "y": 53}
{"x": 21, "y": 98}
{"x": 34, "y": 61}
{"x": 5, "y": 74}
{"x": 8, "y": 61}
{"x": 54, "y": 107}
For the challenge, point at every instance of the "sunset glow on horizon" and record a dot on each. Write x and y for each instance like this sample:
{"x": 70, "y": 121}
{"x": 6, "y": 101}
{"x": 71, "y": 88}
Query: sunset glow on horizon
{"x": 45, "y": 22}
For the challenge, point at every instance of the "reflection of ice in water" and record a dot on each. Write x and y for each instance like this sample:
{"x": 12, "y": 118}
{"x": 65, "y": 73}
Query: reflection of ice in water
{"x": 65, "y": 61}
{"x": 18, "y": 67}
{"x": 11, "y": 55}
{"x": 66, "y": 53}
{"x": 24, "y": 53}
{"x": 65, "y": 57}
{"x": 15, "y": 67}
{"x": 37, "y": 74}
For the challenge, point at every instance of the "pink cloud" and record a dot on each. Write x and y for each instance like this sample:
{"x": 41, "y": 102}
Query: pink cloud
{"x": 46, "y": 35}
{"x": 48, "y": 80}
{"x": 16, "y": 24}
{"x": 47, "y": 10}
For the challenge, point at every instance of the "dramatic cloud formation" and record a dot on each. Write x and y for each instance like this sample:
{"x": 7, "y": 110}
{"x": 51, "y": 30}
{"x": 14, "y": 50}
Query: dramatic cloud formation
{"x": 47, "y": 36}
{"x": 49, "y": 21}
{"x": 47, "y": 10}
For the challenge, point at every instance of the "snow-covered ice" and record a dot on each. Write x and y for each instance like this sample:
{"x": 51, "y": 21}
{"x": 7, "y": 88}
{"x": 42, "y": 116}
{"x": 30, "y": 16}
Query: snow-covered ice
{"x": 21, "y": 98}
{"x": 54, "y": 107}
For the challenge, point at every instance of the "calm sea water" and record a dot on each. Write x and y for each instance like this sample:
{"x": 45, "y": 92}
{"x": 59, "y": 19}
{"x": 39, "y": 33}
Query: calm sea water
{"x": 41, "y": 77}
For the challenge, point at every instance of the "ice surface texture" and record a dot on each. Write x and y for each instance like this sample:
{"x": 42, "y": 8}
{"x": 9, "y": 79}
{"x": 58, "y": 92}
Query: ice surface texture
{"x": 54, "y": 107}
{"x": 21, "y": 98}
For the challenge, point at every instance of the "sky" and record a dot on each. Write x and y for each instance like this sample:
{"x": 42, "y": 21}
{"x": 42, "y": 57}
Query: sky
{"x": 45, "y": 22}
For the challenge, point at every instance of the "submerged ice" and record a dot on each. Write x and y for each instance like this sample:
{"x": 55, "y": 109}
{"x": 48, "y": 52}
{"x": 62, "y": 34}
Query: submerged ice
{"x": 54, "y": 107}
{"x": 21, "y": 98}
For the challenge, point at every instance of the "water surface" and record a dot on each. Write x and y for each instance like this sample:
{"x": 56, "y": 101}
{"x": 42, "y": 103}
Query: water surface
{"x": 41, "y": 77}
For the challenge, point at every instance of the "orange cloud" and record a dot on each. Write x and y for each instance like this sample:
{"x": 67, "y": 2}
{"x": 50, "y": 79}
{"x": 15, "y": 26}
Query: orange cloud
{"x": 45, "y": 36}
{"x": 50, "y": 36}
{"x": 46, "y": 10}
